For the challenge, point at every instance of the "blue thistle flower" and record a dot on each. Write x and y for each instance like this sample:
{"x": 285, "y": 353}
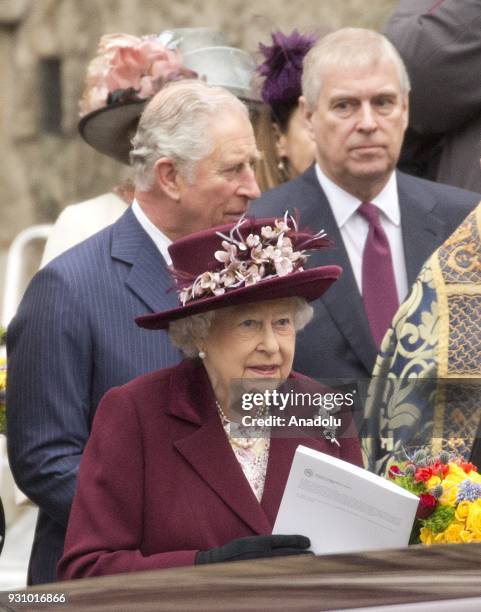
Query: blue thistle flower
{"x": 420, "y": 458}
{"x": 444, "y": 457}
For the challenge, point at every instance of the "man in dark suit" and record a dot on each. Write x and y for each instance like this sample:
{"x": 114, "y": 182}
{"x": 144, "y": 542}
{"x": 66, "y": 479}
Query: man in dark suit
{"x": 74, "y": 336}
{"x": 355, "y": 103}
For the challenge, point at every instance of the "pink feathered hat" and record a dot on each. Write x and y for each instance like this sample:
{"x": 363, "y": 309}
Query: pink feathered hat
{"x": 127, "y": 71}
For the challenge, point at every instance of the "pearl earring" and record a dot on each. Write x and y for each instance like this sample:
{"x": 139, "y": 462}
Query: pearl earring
{"x": 202, "y": 354}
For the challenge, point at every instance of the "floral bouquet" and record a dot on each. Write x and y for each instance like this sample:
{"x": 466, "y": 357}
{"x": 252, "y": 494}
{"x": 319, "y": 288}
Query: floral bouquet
{"x": 3, "y": 381}
{"x": 449, "y": 491}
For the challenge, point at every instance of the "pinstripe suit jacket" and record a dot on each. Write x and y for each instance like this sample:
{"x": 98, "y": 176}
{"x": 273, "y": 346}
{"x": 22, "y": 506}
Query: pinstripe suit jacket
{"x": 73, "y": 338}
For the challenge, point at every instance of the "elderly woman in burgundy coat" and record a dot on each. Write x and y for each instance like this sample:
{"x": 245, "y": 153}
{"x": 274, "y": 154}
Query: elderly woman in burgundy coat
{"x": 165, "y": 481}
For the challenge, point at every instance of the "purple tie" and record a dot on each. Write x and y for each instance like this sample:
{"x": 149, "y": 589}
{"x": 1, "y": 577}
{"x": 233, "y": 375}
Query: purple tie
{"x": 379, "y": 292}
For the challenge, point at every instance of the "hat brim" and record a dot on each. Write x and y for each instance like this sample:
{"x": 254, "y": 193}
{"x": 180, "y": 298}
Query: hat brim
{"x": 308, "y": 284}
{"x": 107, "y": 129}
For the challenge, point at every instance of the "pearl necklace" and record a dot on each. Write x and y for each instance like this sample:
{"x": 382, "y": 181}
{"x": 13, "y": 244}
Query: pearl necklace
{"x": 221, "y": 412}
{"x": 237, "y": 441}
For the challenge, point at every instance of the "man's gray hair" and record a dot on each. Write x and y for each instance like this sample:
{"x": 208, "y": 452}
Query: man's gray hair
{"x": 347, "y": 48}
{"x": 176, "y": 124}
{"x": 186, "y": 333}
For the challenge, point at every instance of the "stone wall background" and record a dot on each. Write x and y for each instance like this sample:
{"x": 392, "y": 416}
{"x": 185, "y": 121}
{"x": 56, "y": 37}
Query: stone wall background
{"x": 45, "y": 164}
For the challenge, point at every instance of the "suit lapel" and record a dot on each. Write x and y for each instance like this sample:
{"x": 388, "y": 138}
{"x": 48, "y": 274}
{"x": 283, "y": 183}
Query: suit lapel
{"x": 209, "y": 453}
{"x": 343, "y": 300}
{"x": 149, "y": 277}
{"x": 422, "y": 230}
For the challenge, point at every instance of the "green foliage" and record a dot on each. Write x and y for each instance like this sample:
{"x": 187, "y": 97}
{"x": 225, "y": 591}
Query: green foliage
{"x": 406, "y": 482}
{"x": 440, "y": 519}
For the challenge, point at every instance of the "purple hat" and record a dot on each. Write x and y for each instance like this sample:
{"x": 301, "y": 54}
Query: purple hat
{"x": 250, "y": 261}
{"x": 282, "y": 67}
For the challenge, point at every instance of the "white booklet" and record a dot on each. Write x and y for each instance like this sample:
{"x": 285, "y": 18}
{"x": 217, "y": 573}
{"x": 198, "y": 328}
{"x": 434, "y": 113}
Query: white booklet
{"x": 342, "y": 507}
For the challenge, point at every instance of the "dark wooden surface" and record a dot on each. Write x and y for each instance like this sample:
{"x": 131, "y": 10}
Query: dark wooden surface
{"x": 296, "y": 583}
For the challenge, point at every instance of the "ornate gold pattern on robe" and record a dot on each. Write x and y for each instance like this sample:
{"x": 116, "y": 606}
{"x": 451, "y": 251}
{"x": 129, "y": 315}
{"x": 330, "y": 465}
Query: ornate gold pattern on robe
{"x": 426, "y": 387}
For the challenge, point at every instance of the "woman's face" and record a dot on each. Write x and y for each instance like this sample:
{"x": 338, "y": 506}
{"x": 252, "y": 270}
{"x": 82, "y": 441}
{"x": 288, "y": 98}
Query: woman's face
{"x": 249, "y": 342}
{"x": 296, "y": 144}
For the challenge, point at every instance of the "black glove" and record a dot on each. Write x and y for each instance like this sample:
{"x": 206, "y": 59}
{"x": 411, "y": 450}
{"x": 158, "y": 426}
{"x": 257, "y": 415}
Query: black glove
{"x": 255, "y": 547}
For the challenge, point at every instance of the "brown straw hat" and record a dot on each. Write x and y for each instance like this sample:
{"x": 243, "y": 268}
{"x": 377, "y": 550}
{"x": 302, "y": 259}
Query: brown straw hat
{"x": 250, "y": 261}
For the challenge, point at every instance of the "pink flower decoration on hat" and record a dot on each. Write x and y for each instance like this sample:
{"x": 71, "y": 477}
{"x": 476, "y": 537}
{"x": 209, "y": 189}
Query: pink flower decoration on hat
{"x": 250, "y": 259}
{"x": 129, "y": 63}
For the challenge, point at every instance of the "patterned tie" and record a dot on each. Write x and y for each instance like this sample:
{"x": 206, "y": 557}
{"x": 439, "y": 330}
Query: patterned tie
{"x": 379, "y": 292}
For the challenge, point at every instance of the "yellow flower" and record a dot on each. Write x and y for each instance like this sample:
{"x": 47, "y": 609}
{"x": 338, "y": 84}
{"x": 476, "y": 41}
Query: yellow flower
{"x": 474, "y": 476}
{"x": 3, "y": 373}
{"x": 433, "y": 481}
{"x": 450, "y": 492}
{"x": 473, "y": 521}
{"x": 426, "y": 536}
{"x": 455, "y": 474}
{"x": 453, "y": 533}
{"x": 462, "y": 510}
{"x": 466, "y": 536}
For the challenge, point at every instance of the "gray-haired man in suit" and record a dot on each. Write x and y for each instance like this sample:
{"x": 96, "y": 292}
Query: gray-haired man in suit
{"x": 355, "y": 102}
{"x": 74, "y": 336}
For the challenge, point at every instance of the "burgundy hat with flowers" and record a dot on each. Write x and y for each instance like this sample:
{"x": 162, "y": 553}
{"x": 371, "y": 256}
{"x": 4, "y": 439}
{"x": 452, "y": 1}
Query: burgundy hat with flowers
{"x": 127, "y": 71}
{"x": 250, "y": 261}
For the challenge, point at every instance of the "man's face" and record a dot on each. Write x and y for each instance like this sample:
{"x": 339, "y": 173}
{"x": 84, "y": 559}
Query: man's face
{"x": 358, "y": 125}
{"x": 224, "y": 181}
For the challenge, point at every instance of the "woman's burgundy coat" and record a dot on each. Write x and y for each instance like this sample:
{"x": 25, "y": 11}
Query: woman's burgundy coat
{"x": 158, "y": 479}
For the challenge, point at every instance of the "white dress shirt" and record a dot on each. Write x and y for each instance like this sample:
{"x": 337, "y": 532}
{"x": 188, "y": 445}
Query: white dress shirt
{"x": 354, "y": 228}
{"x": 160, "y": 239}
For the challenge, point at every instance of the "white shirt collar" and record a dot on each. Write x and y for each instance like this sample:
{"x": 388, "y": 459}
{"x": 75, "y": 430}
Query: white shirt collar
{"x": 160, "y": 239}
{"x": 344, "y": 205}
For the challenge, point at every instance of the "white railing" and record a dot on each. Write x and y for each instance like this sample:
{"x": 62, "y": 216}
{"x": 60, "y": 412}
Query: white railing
{"x": 14, "y": 269}
{"x": 15, "y": 278}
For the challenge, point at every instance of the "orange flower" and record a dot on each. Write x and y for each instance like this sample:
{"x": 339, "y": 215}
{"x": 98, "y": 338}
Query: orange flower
{"x": 468, "y": 467}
